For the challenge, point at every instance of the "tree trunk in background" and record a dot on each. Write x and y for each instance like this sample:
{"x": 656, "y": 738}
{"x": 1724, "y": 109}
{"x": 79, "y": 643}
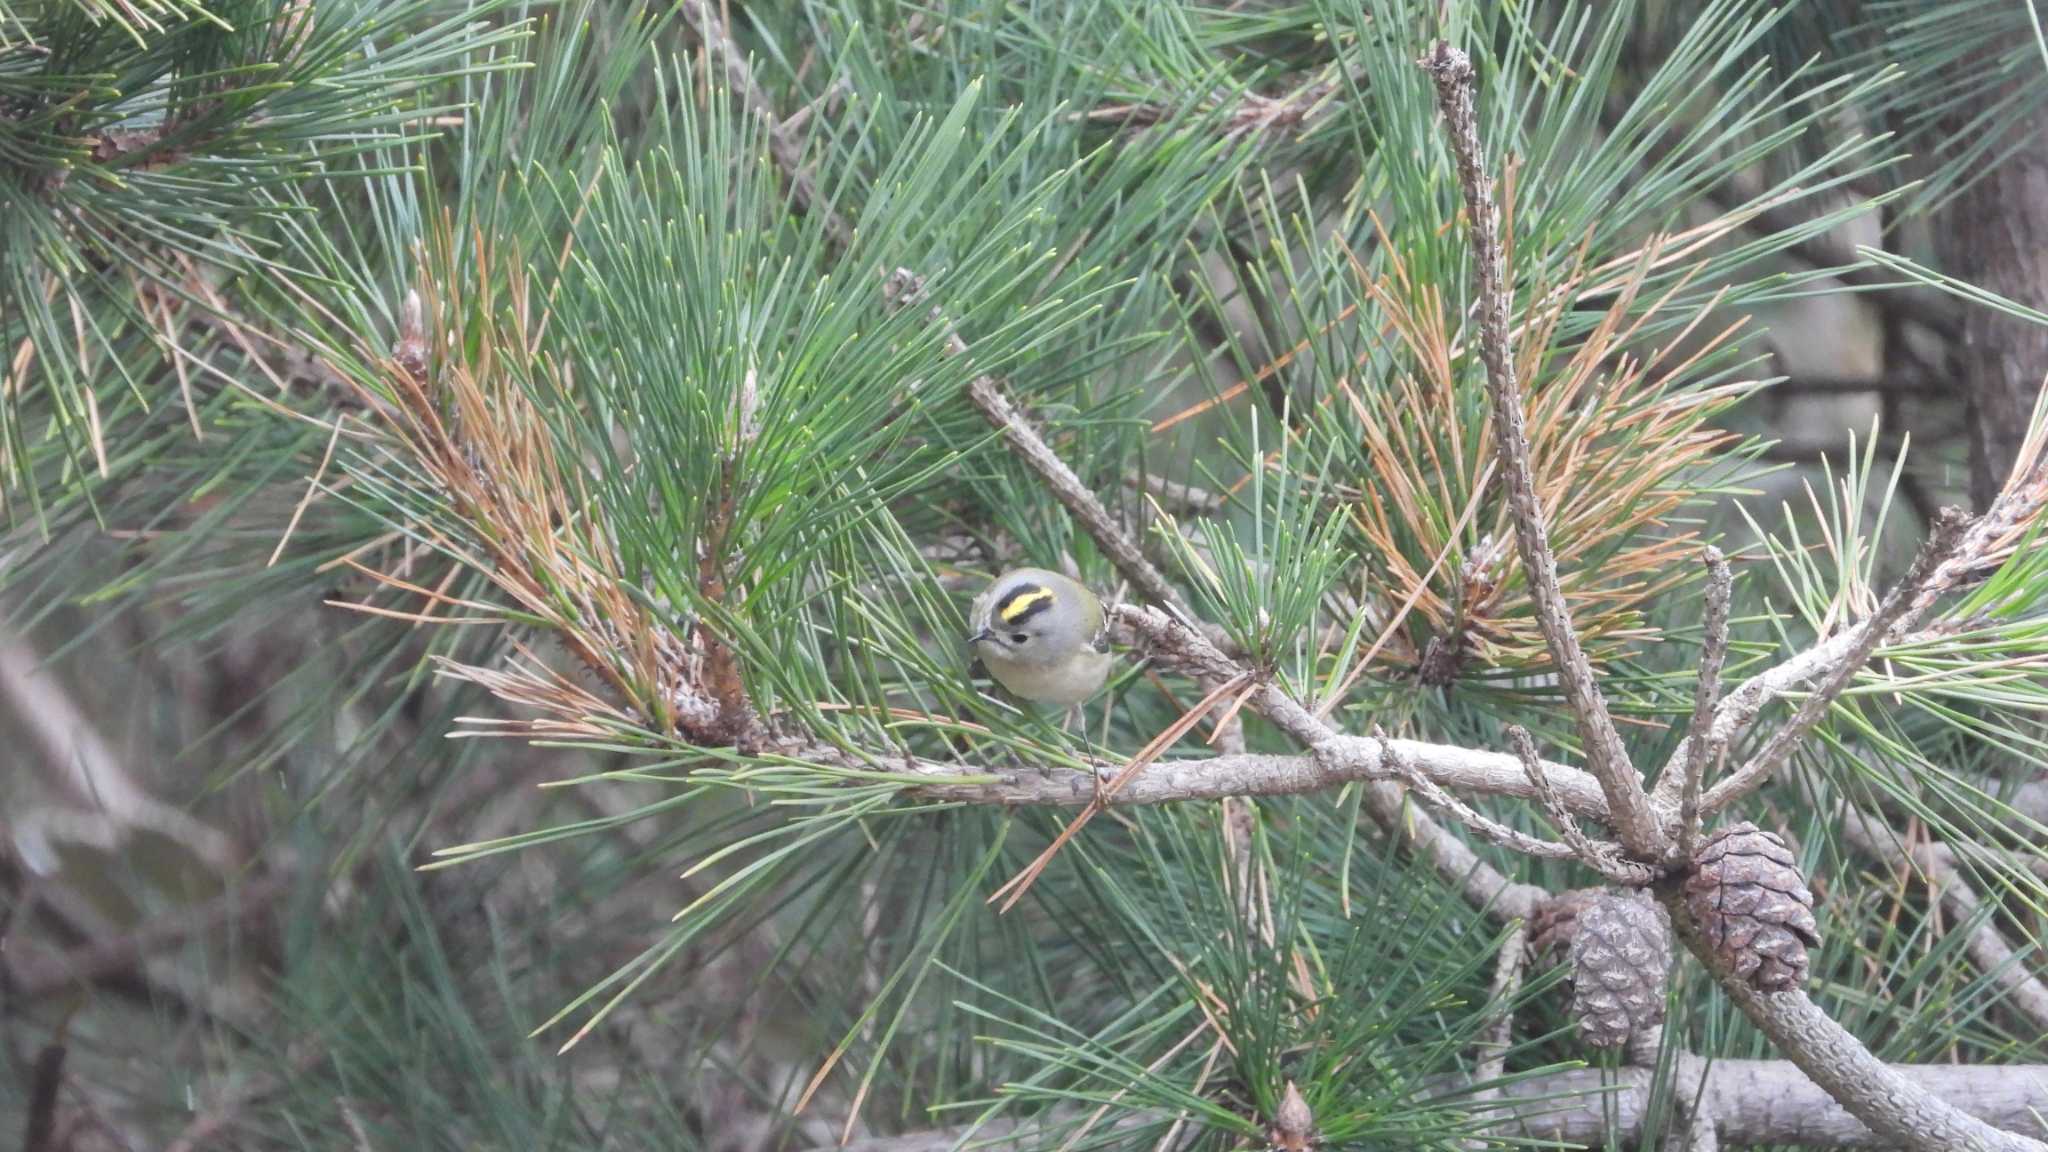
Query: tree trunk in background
{"x": 1995, "y": 235}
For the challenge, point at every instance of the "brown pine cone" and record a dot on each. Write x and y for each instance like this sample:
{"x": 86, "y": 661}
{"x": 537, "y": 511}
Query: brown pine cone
{"x": 1620, "y": 962}
{"x": 1553, "y": 925}
{"x": 1749, "y": 901}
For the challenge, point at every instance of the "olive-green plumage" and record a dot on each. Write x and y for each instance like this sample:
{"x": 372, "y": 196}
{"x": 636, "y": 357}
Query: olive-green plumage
{"x": 1040, "y": 635}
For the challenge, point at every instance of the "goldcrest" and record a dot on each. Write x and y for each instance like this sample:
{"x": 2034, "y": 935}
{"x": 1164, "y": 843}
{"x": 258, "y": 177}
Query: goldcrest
{"x": 1041, "y": 636}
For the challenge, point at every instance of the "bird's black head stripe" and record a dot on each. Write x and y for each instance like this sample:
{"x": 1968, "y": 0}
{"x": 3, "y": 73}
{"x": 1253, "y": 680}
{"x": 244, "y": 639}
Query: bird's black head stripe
{"x": 1022, "y": 603}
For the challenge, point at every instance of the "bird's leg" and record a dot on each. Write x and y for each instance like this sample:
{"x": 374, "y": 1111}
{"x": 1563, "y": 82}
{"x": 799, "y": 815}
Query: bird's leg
{"x": 1101, "y": 770}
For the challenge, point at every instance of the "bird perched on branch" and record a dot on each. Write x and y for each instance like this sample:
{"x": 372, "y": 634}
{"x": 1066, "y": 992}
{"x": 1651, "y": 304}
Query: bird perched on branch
{"x": 1041, "y": 635}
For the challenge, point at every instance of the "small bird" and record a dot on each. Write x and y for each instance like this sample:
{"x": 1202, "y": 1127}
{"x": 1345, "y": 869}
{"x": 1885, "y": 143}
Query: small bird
{"x": 1041, "y": 636}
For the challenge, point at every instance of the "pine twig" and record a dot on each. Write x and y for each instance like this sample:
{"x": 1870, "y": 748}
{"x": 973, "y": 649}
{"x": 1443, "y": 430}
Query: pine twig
{"x": 1606, "y": 757}
{"x": 1427, "y": 791}
{"x": 1949, "y": 530}
{"x": 1706, "y": 696}
{"x": 905, "y": 288}
{"x": 1601, "y": 858}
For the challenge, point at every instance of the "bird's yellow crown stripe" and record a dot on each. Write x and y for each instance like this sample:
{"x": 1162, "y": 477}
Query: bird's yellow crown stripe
{"x": 1020, "y": 603}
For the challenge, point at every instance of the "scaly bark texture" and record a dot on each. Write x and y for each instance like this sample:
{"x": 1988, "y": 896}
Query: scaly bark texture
{"x": 1902, "y": 1110}
{"x": 1606, "y": 757}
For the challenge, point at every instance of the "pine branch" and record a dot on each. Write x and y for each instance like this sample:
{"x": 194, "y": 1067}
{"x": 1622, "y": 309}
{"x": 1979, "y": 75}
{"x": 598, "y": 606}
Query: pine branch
{"x": 1897, "y": 609}
{"x": 905, "y": 288}
{"x": 1706, "y": 695}
{"x": 1606, "y": 757}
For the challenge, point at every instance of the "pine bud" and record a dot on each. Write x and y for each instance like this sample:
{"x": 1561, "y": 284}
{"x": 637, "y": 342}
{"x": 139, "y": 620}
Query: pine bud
{"x": 1293, "y": 1124}
{"x": 411, "y": 352}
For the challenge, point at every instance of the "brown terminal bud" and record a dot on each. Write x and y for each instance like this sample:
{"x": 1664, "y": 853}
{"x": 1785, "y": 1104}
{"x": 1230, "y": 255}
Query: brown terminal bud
{"x": 1294, "y": 1125}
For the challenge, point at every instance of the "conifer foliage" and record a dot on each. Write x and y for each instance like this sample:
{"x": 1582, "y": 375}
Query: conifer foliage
{"x": 575, "y": 432}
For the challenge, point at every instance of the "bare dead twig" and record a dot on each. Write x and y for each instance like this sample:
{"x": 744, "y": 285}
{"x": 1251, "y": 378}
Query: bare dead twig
{"x": 1175, "y": 496}
{"x": 1605, "y": 859}
{"x": 1606, "y": 757}
{"x": 1706, "y": 696}
{"x": 1427, "y": 791}
{"x": 782, "y": 137}
{"x": 1984, "y": 542}
{"x": 86, "y": 767}
{"x": 46, "y": 1081}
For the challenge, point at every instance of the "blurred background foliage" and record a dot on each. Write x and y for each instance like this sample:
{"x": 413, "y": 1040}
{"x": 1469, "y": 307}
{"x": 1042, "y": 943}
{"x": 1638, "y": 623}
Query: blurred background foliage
{"x": 281, "y": 868}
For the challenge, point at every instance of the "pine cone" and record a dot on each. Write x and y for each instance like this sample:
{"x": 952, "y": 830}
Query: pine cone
{"x": 1620, "y": 961}
{"x": 1554, "y": 924}
{"x": 1749, "y": 901}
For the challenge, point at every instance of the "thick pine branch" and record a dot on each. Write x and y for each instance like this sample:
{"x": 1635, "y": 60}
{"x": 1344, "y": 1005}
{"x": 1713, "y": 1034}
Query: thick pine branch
{"x": 1606, "y": 758}
{"x": 1900, "y": 1109}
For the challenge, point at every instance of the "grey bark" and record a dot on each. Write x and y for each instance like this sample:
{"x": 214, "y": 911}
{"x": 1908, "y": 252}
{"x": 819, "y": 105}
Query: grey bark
{"x": 1748, "y": 1101}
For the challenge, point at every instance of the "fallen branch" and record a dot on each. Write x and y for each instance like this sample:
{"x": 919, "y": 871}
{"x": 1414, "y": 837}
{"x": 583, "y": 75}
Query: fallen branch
{"x": 1751, "y": 1102}
{"x": 2022, "y": 991}
{"x": 1760, "y": 1102}
{"x": 1508, "y": 967}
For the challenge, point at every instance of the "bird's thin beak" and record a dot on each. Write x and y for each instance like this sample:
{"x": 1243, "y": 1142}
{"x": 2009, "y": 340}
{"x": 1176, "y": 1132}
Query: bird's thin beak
{"x": 978, "y": 637}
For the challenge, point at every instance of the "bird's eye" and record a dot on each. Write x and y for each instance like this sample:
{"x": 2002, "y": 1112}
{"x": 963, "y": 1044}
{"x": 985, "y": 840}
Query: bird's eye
{"x": 1018, "y": 637}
